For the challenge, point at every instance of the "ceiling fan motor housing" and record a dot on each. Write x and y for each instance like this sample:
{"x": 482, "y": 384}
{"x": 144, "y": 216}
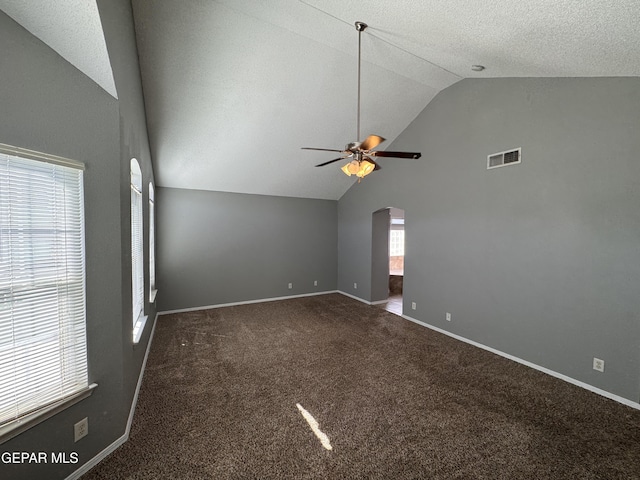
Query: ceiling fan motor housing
{"x": 353, "y": 146}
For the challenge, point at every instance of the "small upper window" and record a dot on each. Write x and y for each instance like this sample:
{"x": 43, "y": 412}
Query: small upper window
{"x": 152, "y": 244}
{"x": 137, "y": 263}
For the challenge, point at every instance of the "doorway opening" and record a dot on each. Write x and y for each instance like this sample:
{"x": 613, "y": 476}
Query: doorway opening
{"x": 387, "y": 261}
{"x": 396, "y": 260}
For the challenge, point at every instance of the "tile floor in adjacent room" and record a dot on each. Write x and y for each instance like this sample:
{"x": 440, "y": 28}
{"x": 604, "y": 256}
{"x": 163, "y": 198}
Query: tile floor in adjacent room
{"x": 393, "y": 305}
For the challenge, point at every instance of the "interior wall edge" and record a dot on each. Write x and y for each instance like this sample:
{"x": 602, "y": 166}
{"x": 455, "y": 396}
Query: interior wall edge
{"x": 355, "y": 298}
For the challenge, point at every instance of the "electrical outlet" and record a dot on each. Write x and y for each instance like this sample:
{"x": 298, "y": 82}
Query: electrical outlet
{"x": 448, "y": 317}
{"x": 355, "y": 285}
{"x": 413, "y": 305}
{"x": 290, "y": 286}
{"x": 315, "y": 283}
{"x": 598, "y": 364}
{"x": 81, "y": 429}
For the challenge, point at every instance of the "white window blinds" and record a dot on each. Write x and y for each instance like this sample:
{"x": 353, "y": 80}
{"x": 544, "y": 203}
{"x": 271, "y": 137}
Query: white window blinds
{"x": 137, "y": 263}
{"x": 43, "y": 354}
{"x": 152, "y": 244}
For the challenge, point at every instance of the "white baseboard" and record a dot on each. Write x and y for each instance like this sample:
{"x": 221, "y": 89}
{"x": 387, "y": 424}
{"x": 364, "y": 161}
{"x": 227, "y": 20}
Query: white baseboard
{"x": 379, "y": 302}
{"x": 553, "y": 373}
{"x": 354, "y": 297}
{"x": 142, "y": 369}
{"x": 98, "y": 458}
{"x": 120, "y": 441}
{"x": 245, "y": 302}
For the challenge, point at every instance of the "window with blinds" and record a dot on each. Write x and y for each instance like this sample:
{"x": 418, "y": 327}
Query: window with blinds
{"x": 137, "y": 262}
{"x": 43, "y": 348}
{"x": 152, "y": 244}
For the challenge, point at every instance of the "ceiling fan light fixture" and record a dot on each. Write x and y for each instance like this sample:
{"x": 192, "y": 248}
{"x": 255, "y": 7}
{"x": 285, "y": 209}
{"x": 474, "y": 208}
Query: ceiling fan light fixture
{"x": 365, "y": 168}
{"x": 351, "y": 168}
{"x": 358, "y": 168}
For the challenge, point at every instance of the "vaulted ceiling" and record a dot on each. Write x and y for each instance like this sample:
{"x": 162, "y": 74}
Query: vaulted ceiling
{"x": 234, "y": 88}
{"x": 73, "y": 29}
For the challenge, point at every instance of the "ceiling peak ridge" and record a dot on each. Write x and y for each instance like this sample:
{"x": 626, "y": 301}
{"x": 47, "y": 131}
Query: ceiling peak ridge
{"x": 361, "y": 26}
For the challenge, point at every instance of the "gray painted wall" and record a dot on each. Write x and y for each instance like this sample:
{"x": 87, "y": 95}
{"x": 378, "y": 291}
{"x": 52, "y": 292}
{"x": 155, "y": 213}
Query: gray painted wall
{"x": 538, "y": 260}
{"x": 117, "y": 23}
{"x": 49, "y": 106}
{"x": 381, "y": 222}
{"x": 216, "y": 248}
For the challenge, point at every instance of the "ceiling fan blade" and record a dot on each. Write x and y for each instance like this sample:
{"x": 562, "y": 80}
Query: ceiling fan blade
{"x": 372, "y": 141}
{"x": 330, "y": 161}
{"x": 377, "y": 166}
{"x": 414, "y": 155}
{"x": 322, "y": 149}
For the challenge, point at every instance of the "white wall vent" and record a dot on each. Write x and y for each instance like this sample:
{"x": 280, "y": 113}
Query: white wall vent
{"x": 509, "y": 157}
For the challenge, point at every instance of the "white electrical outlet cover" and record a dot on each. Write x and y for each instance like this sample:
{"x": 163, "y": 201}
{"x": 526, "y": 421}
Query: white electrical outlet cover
{"x": 598, "y": 364}
{"x": 81, "y": 429}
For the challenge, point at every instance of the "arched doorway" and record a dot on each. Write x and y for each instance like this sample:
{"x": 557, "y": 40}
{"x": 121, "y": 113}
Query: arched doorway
{"x": 387, "y": 258}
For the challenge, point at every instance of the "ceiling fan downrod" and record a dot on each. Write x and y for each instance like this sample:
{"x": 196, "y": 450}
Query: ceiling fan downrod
{"x": 360, "y": 26}
{"x": 362, "y": 153}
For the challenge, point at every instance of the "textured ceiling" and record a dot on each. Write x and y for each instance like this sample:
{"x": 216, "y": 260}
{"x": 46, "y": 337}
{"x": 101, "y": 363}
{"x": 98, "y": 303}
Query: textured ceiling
{"x": 234, "y": 88}
{"x": 73, "y": 29}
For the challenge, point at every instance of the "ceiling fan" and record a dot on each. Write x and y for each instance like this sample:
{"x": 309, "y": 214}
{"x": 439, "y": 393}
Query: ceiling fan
{"x": 361, "y": 153}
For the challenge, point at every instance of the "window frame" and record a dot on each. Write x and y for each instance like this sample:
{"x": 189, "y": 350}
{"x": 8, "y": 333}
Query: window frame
{"x": 137, "y": 252}
{"x": 57, "y": 179}
{"x": 152, "y": 244}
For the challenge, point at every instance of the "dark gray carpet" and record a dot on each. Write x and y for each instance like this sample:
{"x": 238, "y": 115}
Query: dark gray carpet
{"x": 397, "y": 401}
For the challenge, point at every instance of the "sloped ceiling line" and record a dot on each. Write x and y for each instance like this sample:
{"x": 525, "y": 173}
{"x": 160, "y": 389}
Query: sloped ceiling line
{"x": 374, "y": 32}
{"x": 234, "y": 88}
{"x": 73, "y": 29}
